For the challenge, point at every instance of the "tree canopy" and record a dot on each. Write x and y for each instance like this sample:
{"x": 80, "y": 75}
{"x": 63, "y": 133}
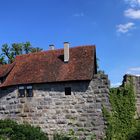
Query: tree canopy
{"x": 9, "y": 52}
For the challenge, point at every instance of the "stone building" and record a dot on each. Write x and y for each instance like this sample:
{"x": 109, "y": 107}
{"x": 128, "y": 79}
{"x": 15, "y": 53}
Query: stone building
{"x": 58, "y": 90}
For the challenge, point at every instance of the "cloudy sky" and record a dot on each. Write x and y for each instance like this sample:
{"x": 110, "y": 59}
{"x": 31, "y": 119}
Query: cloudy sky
{"x": 112, "y": 25}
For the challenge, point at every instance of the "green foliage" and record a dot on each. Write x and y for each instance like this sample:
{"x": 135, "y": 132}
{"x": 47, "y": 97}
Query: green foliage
{"x": 135, "y": 134}
{"x": 10, "y": 130}
{"x": 37, "y": 49}
{"x": 91, "y": 137}
{"x": 2, "y": 60}
{"x": 10, "y": 52}
{"x": 71, "y": 135}
{"x": 121, "y": 120}
{"x": 61, "y": 137}
{"x": 66, "y": 136}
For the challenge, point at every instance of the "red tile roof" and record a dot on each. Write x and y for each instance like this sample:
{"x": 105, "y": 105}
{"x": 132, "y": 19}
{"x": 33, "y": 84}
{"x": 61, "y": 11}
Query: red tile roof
{"x": 48, "y": 66}
{"x": 5, "y": 69}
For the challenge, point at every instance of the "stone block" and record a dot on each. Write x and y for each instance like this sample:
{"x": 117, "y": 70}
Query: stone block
{"x": 20, "y": 106}
{"x": 26, "y": 109}
{"x": 90, "y": 110}
{"x": 73, "y": 111}
{"x": 79, "y": 124}
{"x": 22, "y": 100}
{"x": 3, "y": 107}
{"x": 58, "y": 103}
{"x": 80, "y": 110}
{"x": 8, "y": 97}
{"x": 98, "y": 100}
{"x": 23, "y": 115}
{"x": 90, "y": 99}
{"x": 61, "y": 121}
{"x": 68, "y": 116}
{"x": 6, "y": 112}
{"x": 17, "y": 111}
{"x": 39, "y": 107}
{"x": 83, "y": 119}
{"x": 13, "y": 96}
{"x": 47, "y": 99}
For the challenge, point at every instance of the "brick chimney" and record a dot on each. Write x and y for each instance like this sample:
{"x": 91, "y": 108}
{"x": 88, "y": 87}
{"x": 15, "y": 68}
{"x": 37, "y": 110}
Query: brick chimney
{"x": 51, "y": 47}
{"x": 66, "y": 51}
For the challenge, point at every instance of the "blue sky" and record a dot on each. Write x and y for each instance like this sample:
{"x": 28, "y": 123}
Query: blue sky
{"x": 112, "y": 25}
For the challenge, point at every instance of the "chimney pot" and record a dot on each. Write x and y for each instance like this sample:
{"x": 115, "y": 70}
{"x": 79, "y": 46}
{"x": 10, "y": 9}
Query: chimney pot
{"x": 66, "y": 51}
{"x": 52, "y": 47}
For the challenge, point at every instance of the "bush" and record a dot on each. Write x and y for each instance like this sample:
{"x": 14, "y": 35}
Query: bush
{"x": 71, "y": 135}
{"x": 12, "y": 131}
{"x": 61, "y": 137}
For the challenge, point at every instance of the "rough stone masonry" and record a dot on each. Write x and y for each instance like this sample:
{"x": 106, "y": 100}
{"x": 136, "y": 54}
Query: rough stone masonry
{"x": 53, "y": 111}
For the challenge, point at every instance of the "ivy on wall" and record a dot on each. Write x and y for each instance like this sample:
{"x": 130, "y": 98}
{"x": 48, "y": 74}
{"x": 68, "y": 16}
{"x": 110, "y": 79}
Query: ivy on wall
{"x": 120, "y": 121}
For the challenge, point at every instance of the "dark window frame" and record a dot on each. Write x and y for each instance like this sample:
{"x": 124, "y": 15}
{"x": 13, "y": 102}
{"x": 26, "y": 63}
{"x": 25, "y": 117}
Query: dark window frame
{"x": 25, "y": 91}
{"x": 21, "y": 91}
{"x": 29, "y": 91}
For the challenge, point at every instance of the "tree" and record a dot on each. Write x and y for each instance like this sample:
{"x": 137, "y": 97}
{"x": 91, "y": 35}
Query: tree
{"x": 10, "y": 52}
{"x": 6, "y": 50}
{"x": 16, "y": 49}
{"x": 27, "y": 47}
{"x": 37, "y": 49}
{"x": 2, "y": 60}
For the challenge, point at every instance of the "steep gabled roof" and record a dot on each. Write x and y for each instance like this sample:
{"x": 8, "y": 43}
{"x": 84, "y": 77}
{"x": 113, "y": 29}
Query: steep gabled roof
{"x": 48, "y": 66}
{"x": 5, "y": 69}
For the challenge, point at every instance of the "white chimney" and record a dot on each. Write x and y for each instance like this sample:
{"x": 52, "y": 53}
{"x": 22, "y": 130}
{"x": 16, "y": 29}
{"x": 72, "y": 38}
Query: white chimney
{"x": 66, "y": 51}
{"x": 51, "y": 47}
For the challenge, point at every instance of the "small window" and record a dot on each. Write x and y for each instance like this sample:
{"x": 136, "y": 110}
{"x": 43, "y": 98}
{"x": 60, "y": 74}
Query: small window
{"x": 21, "y": 91}
{"x": 29, "y": 91}
{"x": 67, "y": 90}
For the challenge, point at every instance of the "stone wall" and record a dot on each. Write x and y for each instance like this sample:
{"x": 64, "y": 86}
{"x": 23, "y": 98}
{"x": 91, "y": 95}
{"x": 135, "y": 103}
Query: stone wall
{"x": 136, "y": 83}
{"x": 52, "y": 110}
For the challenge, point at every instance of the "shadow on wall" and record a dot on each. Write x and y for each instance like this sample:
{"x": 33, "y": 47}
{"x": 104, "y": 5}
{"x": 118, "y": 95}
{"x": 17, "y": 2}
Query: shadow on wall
{"x": 6, "y": 91}
{"x": 76, "y": 86}
{"x": 79, "y": 86}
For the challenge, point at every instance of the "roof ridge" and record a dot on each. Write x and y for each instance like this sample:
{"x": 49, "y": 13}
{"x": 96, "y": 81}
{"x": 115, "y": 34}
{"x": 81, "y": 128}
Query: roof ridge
{"x": 46, "y": 51}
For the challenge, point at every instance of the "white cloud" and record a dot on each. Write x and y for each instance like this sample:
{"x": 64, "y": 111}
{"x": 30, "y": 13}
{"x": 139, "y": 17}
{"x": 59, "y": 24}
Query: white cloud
{"x": 133, "y": 3}
{"x": 134, "y": 71}
{"x": 124, "y": 28}
{"x": 132, "y": 13}
{"x": 115, "y": 84}
{"x": 78, "y": 15}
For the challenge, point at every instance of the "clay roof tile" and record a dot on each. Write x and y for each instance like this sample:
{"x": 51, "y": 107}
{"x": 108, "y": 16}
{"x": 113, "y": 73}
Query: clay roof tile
{"x": 48, "y": 66}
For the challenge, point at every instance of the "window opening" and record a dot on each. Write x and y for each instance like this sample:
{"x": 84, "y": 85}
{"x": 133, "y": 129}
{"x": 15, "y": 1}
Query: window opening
{"x": 21, "y": 91}
{"x": 67, "y": 90}
{"x": 29, "y": 91}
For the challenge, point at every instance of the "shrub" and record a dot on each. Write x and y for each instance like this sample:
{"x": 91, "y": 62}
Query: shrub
{"x": 12, "y": 131}
{"x": 61, "y": 137}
